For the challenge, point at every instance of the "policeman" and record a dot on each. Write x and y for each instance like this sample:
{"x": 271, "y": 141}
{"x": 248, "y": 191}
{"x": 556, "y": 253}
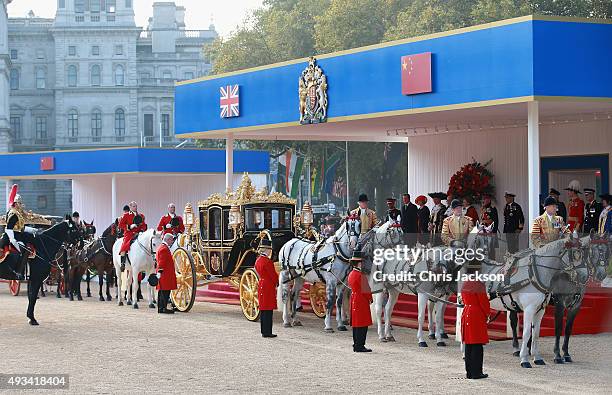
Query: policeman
{"x": 592, "y": 209}
{"x": 514, "y": 221}
{"x": 266, "y": 289}
{"x": 548, "y": 226}
{"x": 361, "y": 298}
{"x": 367, "y": 217}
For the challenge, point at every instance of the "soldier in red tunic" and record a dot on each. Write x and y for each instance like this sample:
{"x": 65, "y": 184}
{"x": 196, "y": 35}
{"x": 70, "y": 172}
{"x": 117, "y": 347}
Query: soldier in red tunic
{"x": 266, "y": 291}
{"x": 474, "y": 325}
{"x": 171, "y": 223}
{"x": 131, "y": 223}
{"x": 575, "y": 210}
{"x": 165, "y": 273}
{"x": 361, "y": 297}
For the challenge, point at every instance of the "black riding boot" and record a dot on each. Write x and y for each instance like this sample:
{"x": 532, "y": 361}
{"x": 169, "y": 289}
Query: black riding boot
{"x": 123, "y": 263}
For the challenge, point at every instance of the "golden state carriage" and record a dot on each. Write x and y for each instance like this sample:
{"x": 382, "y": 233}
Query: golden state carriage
{"x": 221, "y": 238}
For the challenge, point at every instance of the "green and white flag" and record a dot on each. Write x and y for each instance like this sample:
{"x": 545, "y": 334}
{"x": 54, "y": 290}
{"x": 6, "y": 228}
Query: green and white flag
{"x": 293, "y": 171}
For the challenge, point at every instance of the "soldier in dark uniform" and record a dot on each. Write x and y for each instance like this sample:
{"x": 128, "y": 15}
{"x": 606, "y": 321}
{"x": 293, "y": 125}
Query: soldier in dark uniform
{"x": 393, "y": 213}
{"x": 488, "y": 217}
{"x": 592, "y": 209}
{"x": 436, "y": 217}
{"x": 561, "y": 209}
{"x": 514, "y": 221}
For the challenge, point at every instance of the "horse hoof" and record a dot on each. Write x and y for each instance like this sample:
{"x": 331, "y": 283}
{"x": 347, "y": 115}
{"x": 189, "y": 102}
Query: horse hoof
{"x": 390, "y": 338}
{"x": 526, "y": 365}
{"x": 151, "y": 305}
{"x": 346, "y": 322}
{"x": 559, "y": 360}
{"x": 329, "y": 330}
{"x": 120, "y": 303}
{"x": 383, "y": 340}
{"x": 286, "y": 325}
{"x": 129, "y": 303}
{"x": 516, "y": 353}
{"x": 109, "y": 298}
{"x": 71, "y": 298}
{"x": 432, "y": 336}
{"x": 444, "y": 336}
{"x": 136, "y": 306}
{"x": 59, "y": 296}
{"x": 88, "y": 295}
{"x": 539, "y": 362}
{"x": 422, "y": 344}
{"x": 80, "y": 298}
{"x": 297, "y": 323}
{"x": 102, "y": 299}
{"x": 568, "y": 359}
{"x": 441, "y": 344}
{"x": 342, "y": 329}
{"x": 33, "y": 322}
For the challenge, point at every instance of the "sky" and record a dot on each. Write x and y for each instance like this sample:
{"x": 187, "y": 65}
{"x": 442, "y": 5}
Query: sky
{"x": 227, "y": 14}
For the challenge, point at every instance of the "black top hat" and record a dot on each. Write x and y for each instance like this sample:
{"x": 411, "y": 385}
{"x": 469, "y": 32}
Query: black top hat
{"x": 153, "y": 280}
{"x": 589, "y": 190}
{"x": 553, "y": 191}
{"x": 438, "y": 195}
{"x": 137, "y": 219}
{"x": 550, "y": 201}
{"x": 607, "y": 197}
{"x": 357, "y": 256}
{"x": 455, "y": 203}
{"x": 508, "y": 194}
{"x": 75, "y": 214}
{"x": 126, "y": 208}
{"x": 363, "y": 198}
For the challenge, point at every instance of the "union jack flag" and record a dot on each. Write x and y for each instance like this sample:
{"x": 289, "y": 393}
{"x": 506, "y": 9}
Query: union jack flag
{"x": 230, "y": 101}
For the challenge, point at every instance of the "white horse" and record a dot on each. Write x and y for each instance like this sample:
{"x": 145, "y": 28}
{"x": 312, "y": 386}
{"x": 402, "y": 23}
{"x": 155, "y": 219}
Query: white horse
{"x": 141, "y": 258}
{"x": 304, "y": 260}
{"x": 528, "y": 286}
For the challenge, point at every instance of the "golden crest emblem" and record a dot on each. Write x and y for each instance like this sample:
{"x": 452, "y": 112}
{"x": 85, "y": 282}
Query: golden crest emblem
{"x": 313, "y": 94}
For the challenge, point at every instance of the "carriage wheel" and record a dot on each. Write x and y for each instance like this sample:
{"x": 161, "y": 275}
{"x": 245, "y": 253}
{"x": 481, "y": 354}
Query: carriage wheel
{"x": 183, "y": 296}
{"x": 248, "y": 295}
{"x": 14, "y": 286}
{"x": 318, "y": 299}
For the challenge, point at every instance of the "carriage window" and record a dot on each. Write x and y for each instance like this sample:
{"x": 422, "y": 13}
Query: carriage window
{"x": 228, "y": 233}
{"x": 254, "y": 219}
{"x": 204, "y": 224}
{"x": 268, "y": 218}
{"x": 214, "y": 225}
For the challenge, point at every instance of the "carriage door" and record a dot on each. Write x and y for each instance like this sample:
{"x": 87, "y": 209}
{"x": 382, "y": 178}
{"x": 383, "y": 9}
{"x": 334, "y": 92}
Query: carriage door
{"x": 215, "y": 233}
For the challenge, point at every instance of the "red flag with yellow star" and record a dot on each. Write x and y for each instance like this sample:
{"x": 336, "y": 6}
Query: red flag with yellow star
{"x": 416, "y": 73}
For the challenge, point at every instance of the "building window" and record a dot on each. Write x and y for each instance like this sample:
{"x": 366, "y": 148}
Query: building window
{"x": 14, "y": 79}
{"x": 95, "y": 75}
{"x": 72, "y": 75}
{"x": 14, "y": 53}
{"x": 96, "y": 126}
{"x": 166, "y": 75}
{"x": 41, "y": 130}
{"x": 118, "y": 49}
{"x": 40, "y": 78}
{"x": 111, "y": 6}
{"x": 128, "y": 3}
{"x": 95, "y": 50}
{"x": 40, "y": 54}
{"x": 119, "y": 124}
{"x": 119, "y": 76}
{"x": 73, "y": 125}
{"x": 16, "y": 129}
{"x": 79, "y": 6}
{"x": 188, "y": 75}
{"x": 94, "y": 6}
{"x": 62, "y": 4}
{"x": 71, "y": 50}
{"x": 148, "y": 125}
{"x": 165, "y": 126}
{"x": 42, "y": 202}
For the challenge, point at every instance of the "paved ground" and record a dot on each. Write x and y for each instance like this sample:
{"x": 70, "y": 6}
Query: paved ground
{"x": 213, "y": 349}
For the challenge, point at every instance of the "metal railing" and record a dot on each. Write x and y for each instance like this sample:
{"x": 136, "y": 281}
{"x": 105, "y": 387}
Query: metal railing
{"x": 181, "y": 33}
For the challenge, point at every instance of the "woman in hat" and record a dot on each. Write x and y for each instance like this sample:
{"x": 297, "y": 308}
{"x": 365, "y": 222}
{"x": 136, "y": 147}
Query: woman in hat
{"x": 575, "y": 215}
{"x": 266, "y": 290}
{"x": 605, "y": 218}
{"x": 423, "y": 219}
{"x": 361, "y": 298}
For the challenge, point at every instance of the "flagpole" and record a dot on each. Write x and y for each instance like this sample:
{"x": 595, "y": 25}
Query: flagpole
{"x": 346, "y": 159}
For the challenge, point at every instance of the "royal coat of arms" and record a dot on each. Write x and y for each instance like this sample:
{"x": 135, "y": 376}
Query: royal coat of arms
{"x": 313, "y": 94}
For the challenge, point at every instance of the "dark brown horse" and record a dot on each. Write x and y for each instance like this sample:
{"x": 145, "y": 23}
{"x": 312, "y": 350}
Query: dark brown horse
{"x": 99, "y": 258}
{"x": 77, "y": 260}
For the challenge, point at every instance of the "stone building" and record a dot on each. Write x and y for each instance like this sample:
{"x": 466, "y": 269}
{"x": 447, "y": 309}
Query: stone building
{"x": 91, "y": 78}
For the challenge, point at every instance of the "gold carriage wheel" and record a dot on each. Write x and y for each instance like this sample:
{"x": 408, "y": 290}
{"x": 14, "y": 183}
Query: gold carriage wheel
{"x": 248, "y": 295}
{"x": 183, "y": 296}
{"x": 201, "y": 271}
{"x": 318, "y": 299}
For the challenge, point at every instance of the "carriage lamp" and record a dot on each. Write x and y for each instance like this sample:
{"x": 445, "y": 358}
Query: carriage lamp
{"x": 307, "y": 215}
{"x": 188, "y": 214}
{"x": 234, "y": 216}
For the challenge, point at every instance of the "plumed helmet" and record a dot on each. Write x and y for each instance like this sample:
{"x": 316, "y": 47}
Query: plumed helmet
{"x": 14, "y": 196}
{"x": 574, "y": 186}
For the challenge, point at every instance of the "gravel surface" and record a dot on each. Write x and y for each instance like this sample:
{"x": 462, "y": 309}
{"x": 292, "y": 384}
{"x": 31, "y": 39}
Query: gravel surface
{"x": 213, "y": 349}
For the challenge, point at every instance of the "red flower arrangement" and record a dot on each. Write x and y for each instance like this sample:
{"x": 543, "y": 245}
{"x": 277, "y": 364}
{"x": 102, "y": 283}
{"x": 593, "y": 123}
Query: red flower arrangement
{"x": 472, "y": 180}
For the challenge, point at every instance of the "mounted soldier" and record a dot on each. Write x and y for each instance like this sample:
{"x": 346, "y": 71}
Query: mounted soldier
{"x": 16, "y": 233}
{"x": 548, "y": 227}
{"x": 171, "y": 223}
{"x": 132, "y": 223}
{"x": 367, "y": 217}
{"x": 457, "y": 226}
{"x": 436, "y": 218}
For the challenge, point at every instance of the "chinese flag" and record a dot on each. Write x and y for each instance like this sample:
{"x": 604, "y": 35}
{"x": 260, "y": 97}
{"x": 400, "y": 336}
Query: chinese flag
{"x": 416, "y": 73}
{"x": 47, "y": 163}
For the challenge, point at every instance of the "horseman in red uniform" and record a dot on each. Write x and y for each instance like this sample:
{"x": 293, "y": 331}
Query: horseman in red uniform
{"x": 361, "y": 297}
{"x": 266, "y": 290}
{"x": 131, "y": 223}
{"x": 575, "y": 209}
{"x": 474, "y": 325}
{"x": 171, "y": 223}
{"x": 165, "y": 273}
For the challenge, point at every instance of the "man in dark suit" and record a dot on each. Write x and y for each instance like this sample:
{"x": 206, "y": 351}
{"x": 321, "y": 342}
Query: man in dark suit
{"x": 409, "y": 221}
